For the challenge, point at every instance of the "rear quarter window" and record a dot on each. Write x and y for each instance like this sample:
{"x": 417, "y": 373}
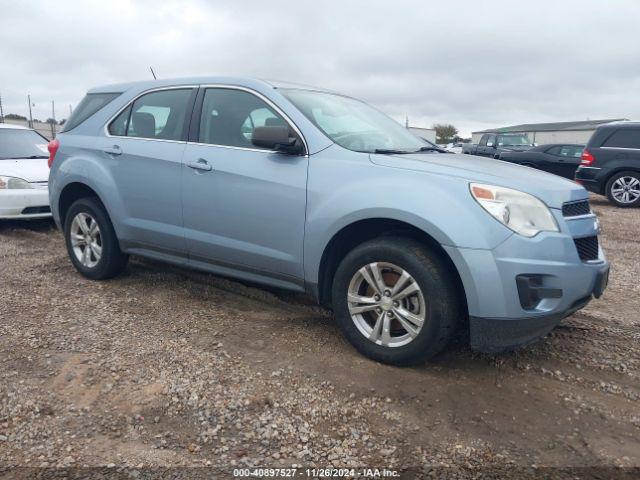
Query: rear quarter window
{"x": 90, "y": 104}
{"x": 624, "y": 138}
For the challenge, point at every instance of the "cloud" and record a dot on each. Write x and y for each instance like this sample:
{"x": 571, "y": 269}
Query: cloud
{"x": 474, "y": 64}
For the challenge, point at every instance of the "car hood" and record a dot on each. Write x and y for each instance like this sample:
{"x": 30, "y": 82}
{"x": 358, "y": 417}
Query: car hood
{"x": 551, "y": 189}
{"x": 29, "y": 169}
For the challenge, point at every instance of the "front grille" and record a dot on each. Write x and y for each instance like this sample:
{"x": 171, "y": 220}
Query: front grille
{"x": 587, "y": 248}
{"x": 34, "y": 210}
{"x": 574, "y": 209}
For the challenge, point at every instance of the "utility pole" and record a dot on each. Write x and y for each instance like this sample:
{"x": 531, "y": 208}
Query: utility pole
{"x": 53, "y": 115}
{"x": 30, "y": 114}
{"x": 406, "y": 121}
{"x": 70, "y": 110}
{"x": 1, "y": 111}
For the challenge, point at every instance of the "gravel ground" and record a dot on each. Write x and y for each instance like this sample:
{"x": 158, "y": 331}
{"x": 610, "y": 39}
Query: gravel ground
{"x": 167, "y": 368}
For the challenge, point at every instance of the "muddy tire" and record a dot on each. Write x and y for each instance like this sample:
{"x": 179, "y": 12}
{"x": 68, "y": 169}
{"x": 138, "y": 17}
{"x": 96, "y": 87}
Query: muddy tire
{"x": 91, "y": 240}
{"x": 396, "y": 301}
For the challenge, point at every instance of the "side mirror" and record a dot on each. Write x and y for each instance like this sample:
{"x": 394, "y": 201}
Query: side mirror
{"x": 276, "y": 138}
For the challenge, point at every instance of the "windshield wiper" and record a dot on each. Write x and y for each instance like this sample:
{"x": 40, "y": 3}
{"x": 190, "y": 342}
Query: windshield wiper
{"x": 431, "y": 149}
{"x": 385, "y": 151}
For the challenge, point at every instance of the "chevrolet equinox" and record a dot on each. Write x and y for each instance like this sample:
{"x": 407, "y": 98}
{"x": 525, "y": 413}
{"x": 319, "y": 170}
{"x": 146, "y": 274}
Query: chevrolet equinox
{"x": 310, "y": 190}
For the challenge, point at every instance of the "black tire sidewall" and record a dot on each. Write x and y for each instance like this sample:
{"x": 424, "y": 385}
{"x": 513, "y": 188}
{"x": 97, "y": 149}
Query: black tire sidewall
{"x": 435, "y": 282}
{"x": 610, "y": 196}
{"x": 112, "y": 258}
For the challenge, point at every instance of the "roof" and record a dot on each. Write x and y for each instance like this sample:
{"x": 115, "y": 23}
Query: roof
{"x": 551, "y": 127}
{"x": 13, "y": 125}
{"x": 164, "y": 82}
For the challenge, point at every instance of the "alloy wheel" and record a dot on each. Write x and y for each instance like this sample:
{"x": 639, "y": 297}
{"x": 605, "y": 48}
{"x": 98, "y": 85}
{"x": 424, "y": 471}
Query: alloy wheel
{"x": 386, "y": 304}
{"x": 626, "y": 189}
{"x": 86, "y": 240}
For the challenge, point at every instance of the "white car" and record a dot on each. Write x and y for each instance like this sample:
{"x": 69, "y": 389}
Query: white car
{"x": 24, "y": 173}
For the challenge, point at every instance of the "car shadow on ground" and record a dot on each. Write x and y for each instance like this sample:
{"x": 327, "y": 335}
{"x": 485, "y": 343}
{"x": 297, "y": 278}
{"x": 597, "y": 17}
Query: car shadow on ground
{"x": 36, "y": 225}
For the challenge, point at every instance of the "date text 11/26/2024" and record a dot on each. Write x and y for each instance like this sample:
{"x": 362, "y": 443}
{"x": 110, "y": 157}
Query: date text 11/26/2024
{"x": 316, "y": 472}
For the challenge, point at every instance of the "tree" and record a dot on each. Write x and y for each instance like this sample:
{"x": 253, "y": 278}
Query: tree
{"x": 14, "y": 116}
{"x": 51, "y": 121}
{"x": 62, "y": 122}
{"x": 445, "y": 132}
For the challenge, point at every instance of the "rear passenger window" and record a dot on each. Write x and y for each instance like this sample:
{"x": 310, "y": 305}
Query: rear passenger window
{"x": 554, "y": 150}
{"x": 229, "y": 117}
{"x": 571, "y": 151}
{"x": 89, "y": 105}
{"x": 156, "y": 115}
{"x": 624, "y": 138}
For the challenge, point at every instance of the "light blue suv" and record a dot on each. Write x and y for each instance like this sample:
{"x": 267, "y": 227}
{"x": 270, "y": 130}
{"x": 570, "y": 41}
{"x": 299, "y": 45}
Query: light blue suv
{"x": 309, "y": 190}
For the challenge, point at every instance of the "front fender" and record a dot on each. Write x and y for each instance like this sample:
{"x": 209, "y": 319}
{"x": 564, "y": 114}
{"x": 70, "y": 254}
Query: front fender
{"x": 345, "y": 187}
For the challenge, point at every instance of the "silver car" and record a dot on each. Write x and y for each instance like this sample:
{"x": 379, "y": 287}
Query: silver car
{"x": 313, "y": 191}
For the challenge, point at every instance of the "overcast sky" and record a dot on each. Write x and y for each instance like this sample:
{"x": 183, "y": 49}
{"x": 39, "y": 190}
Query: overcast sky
{"x": 476, "y": 64}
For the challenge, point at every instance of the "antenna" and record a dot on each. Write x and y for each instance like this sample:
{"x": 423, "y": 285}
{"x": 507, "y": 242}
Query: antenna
{"x": 153, "y": 73}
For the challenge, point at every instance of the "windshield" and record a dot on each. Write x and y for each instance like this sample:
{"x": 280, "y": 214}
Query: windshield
{"x": 513, "y": 140}
{"x": 353, "y": 124}
{"x": 18, "y": 143}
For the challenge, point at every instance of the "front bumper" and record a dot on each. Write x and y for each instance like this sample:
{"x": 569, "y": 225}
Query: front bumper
{"x": 502, "y": 315}
{"x": 24, "y": 204}
{"x": 491, "y": 335}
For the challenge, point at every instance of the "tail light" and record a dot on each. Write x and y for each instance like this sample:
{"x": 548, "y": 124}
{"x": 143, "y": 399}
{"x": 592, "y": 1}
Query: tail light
{"x": 53, "y": 149}
{"x": 587, "y": 158}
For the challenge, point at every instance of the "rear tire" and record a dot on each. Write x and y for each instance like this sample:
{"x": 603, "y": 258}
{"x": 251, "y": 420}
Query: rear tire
{"x": 91, "y": 241}
{"x": 616, "y": 193}
{"x": 436, "y": 301}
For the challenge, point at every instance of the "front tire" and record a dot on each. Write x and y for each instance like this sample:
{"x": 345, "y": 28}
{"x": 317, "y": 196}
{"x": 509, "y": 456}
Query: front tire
{"x": 623, "y": 189}
{"x": 395, "y": 301}
{"x": 91, "y": 240}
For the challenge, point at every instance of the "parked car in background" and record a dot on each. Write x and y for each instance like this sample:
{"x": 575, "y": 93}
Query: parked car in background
{"x": 493, "y": 144}
{"x": 313, "y": 191}
{"x": 557, "y": 158}
{"x": 610, "y": 163}
{"x": 23, "y": 173}
{"x": 454, "y": 147}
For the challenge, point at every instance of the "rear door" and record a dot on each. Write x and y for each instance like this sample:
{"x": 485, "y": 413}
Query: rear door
{"x": 569, "y": 159}
{"x": 244, "y": 207}
{"x": 621, "y": 149}
{"x": 143, "y": 150}
{"x": 550, "y": 160}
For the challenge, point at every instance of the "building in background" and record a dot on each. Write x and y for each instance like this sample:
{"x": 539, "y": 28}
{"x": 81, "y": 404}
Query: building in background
{"x": 426, "y": 133}
{"x": 559, "y": 132}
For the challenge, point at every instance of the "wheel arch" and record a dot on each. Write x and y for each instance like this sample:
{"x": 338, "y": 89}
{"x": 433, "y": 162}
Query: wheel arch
{"x": 360, "y": 231}
{"x": 72, "y": 192}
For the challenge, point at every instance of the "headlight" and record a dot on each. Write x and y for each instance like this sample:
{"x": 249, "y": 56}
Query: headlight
{"x": 13, "y": 183}
{"x": 519, "y": 211}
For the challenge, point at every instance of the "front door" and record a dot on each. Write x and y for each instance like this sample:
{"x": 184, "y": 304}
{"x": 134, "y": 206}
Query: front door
{"x": 244, "y": 207}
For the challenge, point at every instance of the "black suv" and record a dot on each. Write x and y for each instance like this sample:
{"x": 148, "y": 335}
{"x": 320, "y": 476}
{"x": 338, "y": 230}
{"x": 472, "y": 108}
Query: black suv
{"x": 610, "y": 163}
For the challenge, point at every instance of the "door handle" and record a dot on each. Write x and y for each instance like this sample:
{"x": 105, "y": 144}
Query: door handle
{"x": 114, "y": 150}
{"x": 200, "y": 164}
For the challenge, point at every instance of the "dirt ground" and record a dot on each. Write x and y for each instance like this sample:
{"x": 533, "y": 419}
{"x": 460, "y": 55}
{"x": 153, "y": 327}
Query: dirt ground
{"x": 164, "y": 367}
